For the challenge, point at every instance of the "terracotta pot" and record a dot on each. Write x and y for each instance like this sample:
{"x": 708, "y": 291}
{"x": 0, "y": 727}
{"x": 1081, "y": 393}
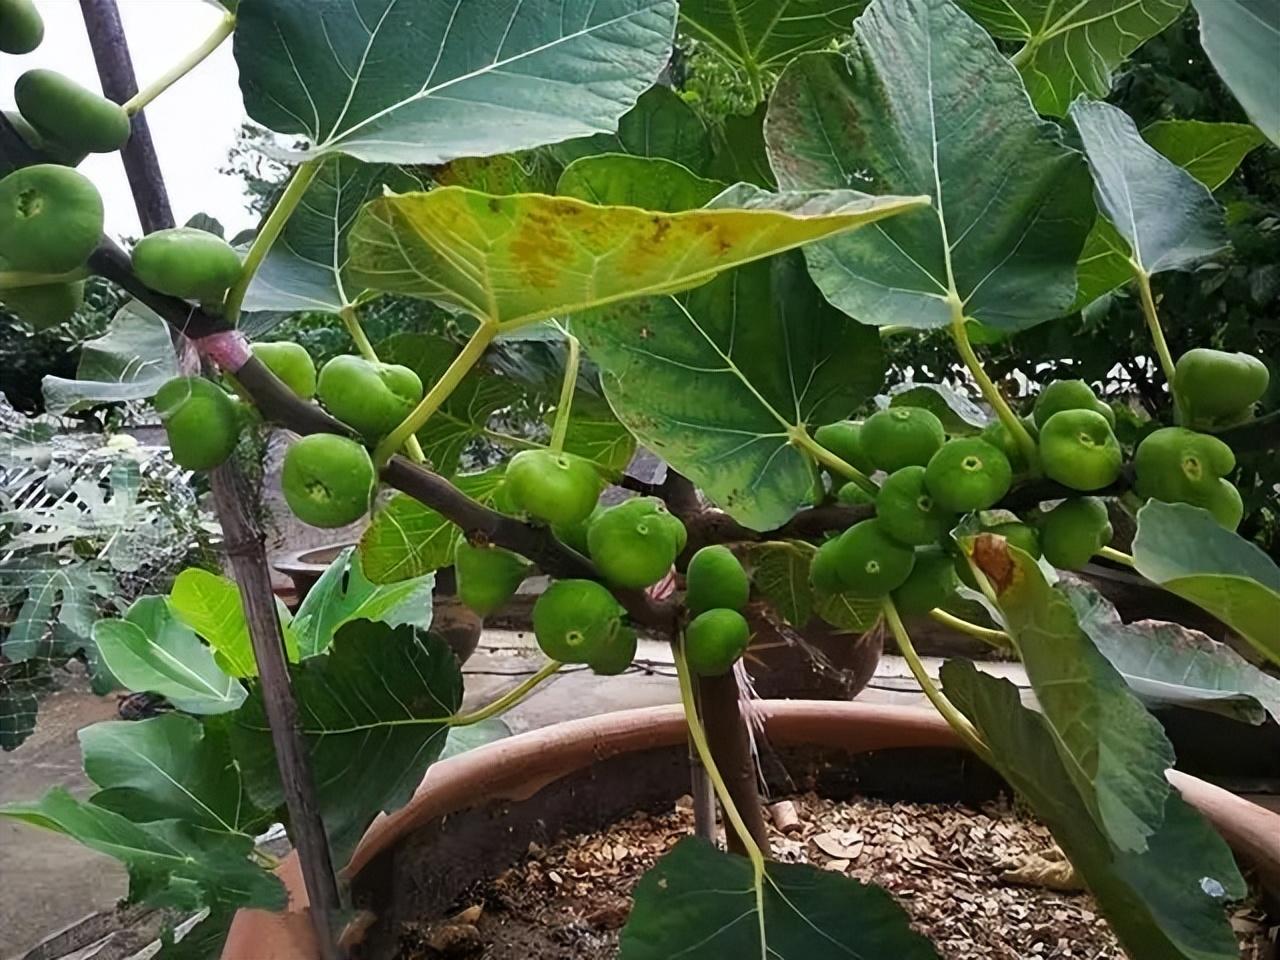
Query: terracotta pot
{"x": 494, "y": 784}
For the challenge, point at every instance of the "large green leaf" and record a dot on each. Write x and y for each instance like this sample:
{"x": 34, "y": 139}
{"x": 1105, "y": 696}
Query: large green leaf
{"x": 1168, "y": 218}
{"x": 517, "y": 259}
{"x": 1071, "y": 47}
{"x": 1241, "y": 38}
{"x": 166, "y": 858}
{"x": 170, "y": 767}
{"x": 1183, "y": 549}
{"x": 374, "y": 713}
{"x": 699, "y": 903}
{"x": 128, "y": 362}
{"x": 757, "y": 36}
{"x": 343, "y": 593}
{"x": 1168, "y": 664}
{"x": 1165, "y": 903}
{"x": 408, "y": 539}
{"x": 1010, "y": 202}
{"x": 152, "y": 651}
{"x": 464, "y": 416}
{"x": 425, "y": 81}
{"x": 661, "y": 124}
{"x": 1113, "y": 750}
{"x": 210, "y": 605}
{"x": 1210, "y": 152}
{"x": 721, "y": 380}
{"x": 306, "y": 268}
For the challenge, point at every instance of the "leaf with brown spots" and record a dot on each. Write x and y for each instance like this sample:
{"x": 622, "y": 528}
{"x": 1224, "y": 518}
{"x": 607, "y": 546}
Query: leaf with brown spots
{"x": 514, "y": 260}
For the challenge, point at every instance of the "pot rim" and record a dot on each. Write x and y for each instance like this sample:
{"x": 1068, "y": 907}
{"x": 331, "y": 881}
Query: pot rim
{"x": 517, "y": 767}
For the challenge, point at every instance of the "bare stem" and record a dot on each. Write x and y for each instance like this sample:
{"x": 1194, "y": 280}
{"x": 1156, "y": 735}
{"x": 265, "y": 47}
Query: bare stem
{"x": 439, "y": 392}
{"x": 140, "y": 100}
{"x": 1141, "y": 277}
{"x": 563, "y": 409}
{"x": 1017, "y": 429}
{"x": 1119, "y": 556}
{"x": 955, "y": 719}
{"x": 509, "y": 699}
{"x": 270, "y": 232}
{"x": 800, "y": 438}
{"x": 996, "y": 638}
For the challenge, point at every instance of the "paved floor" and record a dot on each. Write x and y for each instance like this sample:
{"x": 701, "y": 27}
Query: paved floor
{"x": 50, "y": 882}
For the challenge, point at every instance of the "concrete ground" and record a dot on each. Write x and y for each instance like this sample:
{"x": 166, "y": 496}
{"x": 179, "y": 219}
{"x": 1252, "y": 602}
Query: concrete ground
{"x": 50, "y": 882}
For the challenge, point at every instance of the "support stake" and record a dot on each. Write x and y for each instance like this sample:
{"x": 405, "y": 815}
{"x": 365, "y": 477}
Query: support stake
{"x": 241, "y": 534}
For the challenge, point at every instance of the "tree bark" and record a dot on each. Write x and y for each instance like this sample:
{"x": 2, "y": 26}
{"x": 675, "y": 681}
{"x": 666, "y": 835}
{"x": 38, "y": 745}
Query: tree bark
{"x": 727, "y": 736}
{"x": 242, "y": 536}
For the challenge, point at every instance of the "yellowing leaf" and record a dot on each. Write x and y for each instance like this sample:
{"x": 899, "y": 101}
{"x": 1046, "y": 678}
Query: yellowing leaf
{"x": 521, "y": 258}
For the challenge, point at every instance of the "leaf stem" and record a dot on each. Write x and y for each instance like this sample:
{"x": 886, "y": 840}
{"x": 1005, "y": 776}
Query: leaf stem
{"x": 270, "y": 232}
{"x": 357, "y": 334}
{"x": 955, "y": 719}
{"x": 560, "y": 428}
{"x": 1143, "y": 280}
{"x": 699, "y": 738}
{"x": 439, "y": 392}
{"x": 996, "y": 638}
{"x": 1017, "y": 429}
{"x": 351, "y": 321}
{"x": 509, "y": 699}
{"x": 800, "y": 437}
{"x": 140, "y": 100}
{"x": 1024, "y": 54}
{"x": 1119, "y": 556}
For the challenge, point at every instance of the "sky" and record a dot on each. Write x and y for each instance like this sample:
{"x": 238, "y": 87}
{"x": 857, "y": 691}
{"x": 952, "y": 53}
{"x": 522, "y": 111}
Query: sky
{"x": 194, "y": 123}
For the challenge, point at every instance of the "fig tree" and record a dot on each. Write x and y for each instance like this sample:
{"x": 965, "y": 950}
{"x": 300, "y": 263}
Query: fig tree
{"x": 372, "y": 398}
{"x": 557, "y": 488}
{"x": 70, "y": 115}
{"x": 714, "y": 641}
{"x": 45, "y": 305}
{"x": 291, "y": 363}
{"x": 1178, "y": 465}
{"x": 1079, "y": 450}
{"x": 615, "y": 656}
{"x": 931, "y": 583}
{"x": 576, "y": 621}
{"x": 968, "y": 474}
{"x": 328, "y": 481}
{"x": 715, "y": 578}
{"x": 1069, "y": 395}
{"x": 1214, "y": 386}
{"x": 1073, "y": 531}
{"x": 50, "y": 218}
{"x": 843, "y": 438}
{"x": 21, "y": 28}
{"x": 187, "y": 263}
{"x": 487, "y": 576}
{"x": 200, "y": 420}
{"x": 634, "y": 543}
{"x": 869, "y": 562}
{"x": 908, "y": 512}
{"x": 901, "y": 437}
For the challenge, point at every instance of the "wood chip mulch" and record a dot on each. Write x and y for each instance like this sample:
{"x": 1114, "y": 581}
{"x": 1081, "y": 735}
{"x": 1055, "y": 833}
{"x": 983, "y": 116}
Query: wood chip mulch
{"x": 985, "y": 884}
